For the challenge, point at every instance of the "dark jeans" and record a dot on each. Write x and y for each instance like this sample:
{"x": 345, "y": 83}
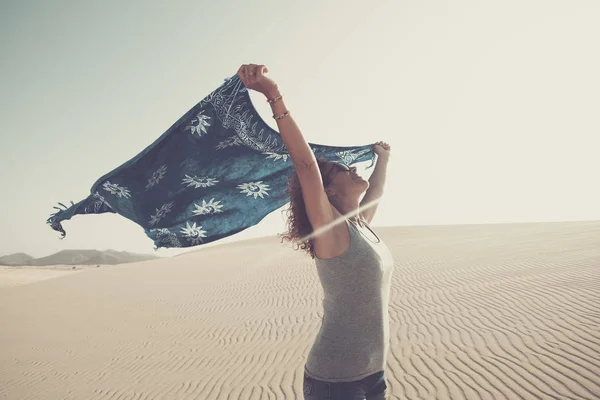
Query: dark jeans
{"x": 373, "y": 387}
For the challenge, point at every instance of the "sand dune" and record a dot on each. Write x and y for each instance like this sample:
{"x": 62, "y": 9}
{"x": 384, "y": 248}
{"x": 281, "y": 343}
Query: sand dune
{"x": 476, "y": 312}
{"x": 14, "y": 276}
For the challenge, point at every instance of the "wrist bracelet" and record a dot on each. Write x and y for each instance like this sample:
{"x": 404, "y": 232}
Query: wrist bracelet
{"x": 274, "y": 100}
{"x": 278, "y": 117}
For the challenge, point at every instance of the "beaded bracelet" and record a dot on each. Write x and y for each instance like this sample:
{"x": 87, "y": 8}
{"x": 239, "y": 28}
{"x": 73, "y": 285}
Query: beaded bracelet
{"x": 278, "y": 117}
{"x": 275, "y": 100}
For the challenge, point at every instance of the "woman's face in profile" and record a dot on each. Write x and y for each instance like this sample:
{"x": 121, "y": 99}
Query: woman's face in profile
{"x": 344, "y": 179}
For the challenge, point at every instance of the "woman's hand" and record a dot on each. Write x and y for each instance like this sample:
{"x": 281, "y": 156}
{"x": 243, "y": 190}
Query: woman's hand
{"x": 253, "y": 77}
{"x": 382, "y": 149}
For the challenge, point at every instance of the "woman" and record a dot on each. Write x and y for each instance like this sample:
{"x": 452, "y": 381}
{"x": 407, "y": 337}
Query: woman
{"x": 348, "y": 357}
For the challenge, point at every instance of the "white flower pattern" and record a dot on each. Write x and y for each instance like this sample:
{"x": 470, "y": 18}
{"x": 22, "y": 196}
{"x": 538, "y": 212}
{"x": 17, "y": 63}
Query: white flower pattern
{"x": 349, "y": 156}
{"x": 254, "y": 189}
{"x": 229, "y": 142}
{"x": 199, "y": 182}
{"x": 193, "y": 233}
{"x": 276, "y": 156}
{"x": 156, "y": 177}
{"x": 199, "y": 124}
{"x": 160, "y": 213}
{"x": 115, "y": 189}
{"x": 212, "y": 207}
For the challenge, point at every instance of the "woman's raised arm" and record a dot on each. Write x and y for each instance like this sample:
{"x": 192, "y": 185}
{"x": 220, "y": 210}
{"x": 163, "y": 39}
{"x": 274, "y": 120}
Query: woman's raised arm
{"x": 316, "y": 202}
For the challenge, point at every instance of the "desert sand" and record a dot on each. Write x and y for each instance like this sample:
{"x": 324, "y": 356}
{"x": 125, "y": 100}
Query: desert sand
{"x": 476, "y": 312}
{"x": 12, "y": 276}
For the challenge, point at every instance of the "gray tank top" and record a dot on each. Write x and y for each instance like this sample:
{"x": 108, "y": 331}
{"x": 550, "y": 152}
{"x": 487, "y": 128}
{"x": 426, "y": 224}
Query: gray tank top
{"x": 353, "y": 340}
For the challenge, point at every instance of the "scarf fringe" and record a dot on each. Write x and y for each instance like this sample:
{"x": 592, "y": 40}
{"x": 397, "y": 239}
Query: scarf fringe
{"x": 55, "y": 218}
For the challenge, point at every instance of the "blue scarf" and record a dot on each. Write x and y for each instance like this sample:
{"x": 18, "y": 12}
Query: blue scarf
{"x": 218, "y": 170}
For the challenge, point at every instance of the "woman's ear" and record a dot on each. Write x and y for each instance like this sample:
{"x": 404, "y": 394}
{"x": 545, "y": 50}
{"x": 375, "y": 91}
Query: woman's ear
{"x": 329, "y": 192}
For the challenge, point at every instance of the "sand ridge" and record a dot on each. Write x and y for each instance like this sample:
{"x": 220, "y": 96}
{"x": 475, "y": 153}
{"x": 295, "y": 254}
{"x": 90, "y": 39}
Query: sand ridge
{"x": 476, "y": 312}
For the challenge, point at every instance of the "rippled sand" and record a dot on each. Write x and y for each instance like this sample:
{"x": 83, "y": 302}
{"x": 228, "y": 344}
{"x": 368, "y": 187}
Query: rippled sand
{"x": 476, "y": 312}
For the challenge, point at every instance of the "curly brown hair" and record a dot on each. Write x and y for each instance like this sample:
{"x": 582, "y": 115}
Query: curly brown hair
{"x": 298, "y": 224}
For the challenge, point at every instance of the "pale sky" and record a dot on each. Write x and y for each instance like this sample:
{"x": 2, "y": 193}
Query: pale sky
{"x": 491, "y": 108}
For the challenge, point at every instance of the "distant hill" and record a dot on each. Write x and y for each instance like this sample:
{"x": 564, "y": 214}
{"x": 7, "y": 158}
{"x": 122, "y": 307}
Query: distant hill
{"x": 16, "y": 259}
{"x": 77, "y": 257}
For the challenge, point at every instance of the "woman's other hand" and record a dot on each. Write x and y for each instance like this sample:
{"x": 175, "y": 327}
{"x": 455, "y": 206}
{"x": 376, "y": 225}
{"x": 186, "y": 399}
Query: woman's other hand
{"x": 382, "y": 149}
